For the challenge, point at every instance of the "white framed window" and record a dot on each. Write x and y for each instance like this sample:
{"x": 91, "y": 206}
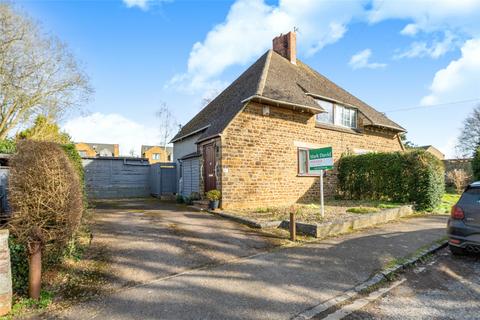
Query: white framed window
{"x": 337, "y": 114}
{"x": 346, "y": 117}
{"x": 156, "y": 156}
{"x": 328, "y": 116}
{"x": 302, "y": 161}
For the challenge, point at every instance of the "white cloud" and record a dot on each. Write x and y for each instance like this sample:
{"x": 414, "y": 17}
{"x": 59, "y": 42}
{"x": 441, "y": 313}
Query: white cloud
{"x": 361, "y": 60}
{"x": 112, "y": 128}
{"x": 460, "y": 79}
{"x": 410, "y": 29}
{"x": 251, "y": 25}
{"x": 142, "y": 4}
{"x": 438, "y": 48}
{"x": 430, "y": 15}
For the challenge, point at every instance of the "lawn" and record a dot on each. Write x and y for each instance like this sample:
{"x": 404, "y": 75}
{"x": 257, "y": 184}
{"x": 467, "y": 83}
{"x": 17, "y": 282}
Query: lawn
{"x": 448, "y": 200}
{"x": 335, "y": 210}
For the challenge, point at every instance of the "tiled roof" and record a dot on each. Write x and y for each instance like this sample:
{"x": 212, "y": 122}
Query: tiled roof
{"x": 273, "y": 77}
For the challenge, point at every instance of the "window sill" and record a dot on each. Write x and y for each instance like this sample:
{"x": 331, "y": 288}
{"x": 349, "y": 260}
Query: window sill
{"x": 307, "y": 175}
{"x": 337, "y": 128}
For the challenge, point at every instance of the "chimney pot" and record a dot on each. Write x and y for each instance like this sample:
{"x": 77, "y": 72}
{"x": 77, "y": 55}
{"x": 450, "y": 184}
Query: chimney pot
{"x": 286, "y": 46}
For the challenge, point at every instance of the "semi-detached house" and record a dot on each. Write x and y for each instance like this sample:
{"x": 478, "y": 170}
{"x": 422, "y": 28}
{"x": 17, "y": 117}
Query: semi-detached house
{"x": 251, "y": 141}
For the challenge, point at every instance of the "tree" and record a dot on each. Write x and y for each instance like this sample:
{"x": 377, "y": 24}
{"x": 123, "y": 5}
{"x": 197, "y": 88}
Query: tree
{"x": 476, "y": 165}
{"x": 469, "y": 139}
{"x": 167, "y": 124}
{"x": 46, "y": 200}
{"x": 45, "y": 129}
{"x": 38, "y": 75}
{"x": 407, "y": 143}
{"x": 459, "y": 178}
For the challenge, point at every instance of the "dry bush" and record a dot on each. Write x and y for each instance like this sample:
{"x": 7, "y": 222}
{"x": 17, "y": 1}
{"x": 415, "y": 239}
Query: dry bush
{"x": 45, "y": 195}
{"x": 459, "y": 178}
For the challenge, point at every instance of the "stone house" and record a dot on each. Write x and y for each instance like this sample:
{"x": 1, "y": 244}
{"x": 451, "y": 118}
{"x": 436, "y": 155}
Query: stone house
{"x": 434, "y": 151}
{"x": 156, "y": 154}
{"x": 251, "y": 141}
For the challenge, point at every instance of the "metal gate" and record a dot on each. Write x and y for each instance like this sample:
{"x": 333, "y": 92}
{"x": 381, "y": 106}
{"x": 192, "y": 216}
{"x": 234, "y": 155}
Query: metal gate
{"x": 163, "y": 178}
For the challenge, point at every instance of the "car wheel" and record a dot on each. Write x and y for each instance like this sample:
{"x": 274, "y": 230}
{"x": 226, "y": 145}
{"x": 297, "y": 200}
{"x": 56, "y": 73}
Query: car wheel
{"x": 457, "y": 251}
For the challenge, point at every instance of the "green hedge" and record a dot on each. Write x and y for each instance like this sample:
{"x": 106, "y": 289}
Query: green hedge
{"x": 408, "y": 177}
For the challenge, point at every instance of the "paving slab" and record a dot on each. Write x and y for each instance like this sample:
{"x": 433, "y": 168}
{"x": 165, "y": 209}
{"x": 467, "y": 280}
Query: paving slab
{"x": 275, "y": 284}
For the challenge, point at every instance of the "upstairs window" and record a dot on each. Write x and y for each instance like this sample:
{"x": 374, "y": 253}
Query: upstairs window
{"x": 337, "y": 114}
{"x": 346, "y": 117}
{"x": 156, "y": 156}
{"x": 325, "y": 117}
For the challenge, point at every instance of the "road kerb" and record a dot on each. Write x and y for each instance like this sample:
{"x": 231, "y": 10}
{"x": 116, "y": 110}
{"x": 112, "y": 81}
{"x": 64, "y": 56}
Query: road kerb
{"x": 374, "y": 281}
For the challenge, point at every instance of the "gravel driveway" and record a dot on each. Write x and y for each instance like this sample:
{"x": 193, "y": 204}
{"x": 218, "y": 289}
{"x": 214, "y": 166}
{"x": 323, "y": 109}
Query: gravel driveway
{"x": 447, "y": 287}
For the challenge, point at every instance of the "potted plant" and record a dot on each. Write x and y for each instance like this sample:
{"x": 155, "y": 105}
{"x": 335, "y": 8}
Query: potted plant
{"x": 213, "y": 197}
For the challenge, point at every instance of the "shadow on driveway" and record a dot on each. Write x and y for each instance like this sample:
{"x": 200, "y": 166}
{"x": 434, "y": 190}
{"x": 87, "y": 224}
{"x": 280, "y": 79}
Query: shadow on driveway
{"x": 275, "y": 284}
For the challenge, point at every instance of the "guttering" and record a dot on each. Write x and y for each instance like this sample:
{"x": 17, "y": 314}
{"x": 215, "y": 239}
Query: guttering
{"x": 189, "y": 134}
{"x": 208, "y": 138}
{"x": 387, "y": 127}
{"x": 279, "y": 103}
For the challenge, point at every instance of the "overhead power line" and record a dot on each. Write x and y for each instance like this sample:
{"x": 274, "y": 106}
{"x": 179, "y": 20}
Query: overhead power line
{"x": 432, "y": 105}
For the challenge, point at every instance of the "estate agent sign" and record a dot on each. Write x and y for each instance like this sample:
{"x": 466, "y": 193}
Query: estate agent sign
{"x": 319, "y": 160}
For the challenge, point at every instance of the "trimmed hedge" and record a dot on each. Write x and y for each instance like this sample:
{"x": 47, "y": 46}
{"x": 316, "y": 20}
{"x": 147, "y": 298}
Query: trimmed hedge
{"x": 408, "y": 177}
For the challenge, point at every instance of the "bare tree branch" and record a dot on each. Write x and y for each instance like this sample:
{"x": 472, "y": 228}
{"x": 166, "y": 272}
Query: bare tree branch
{"x": 167, "y": 124}
{"x": 38, "y": 75}
{"x": 469, "y": 139}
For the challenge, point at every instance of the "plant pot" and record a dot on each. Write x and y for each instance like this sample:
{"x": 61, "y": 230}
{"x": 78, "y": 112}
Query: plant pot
{"x": 213, "y": 204}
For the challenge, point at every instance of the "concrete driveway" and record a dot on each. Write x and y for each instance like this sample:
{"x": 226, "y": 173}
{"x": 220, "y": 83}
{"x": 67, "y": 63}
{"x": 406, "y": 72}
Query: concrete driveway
{"x": 148, "y": 239}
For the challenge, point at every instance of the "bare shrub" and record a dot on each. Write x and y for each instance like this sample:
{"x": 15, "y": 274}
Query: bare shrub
{"x": 459, "y": 178}
{"x": 44, "y": 193}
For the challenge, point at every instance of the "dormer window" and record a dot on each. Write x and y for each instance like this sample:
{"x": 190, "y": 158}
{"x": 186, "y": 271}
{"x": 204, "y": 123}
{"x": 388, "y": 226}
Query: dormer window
{"x": 337, "y": 114}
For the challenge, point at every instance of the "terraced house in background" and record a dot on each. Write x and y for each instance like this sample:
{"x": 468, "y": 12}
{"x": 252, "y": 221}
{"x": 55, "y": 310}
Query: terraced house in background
{"x": 251, "y": 142}
{"x": 156, "y": 154}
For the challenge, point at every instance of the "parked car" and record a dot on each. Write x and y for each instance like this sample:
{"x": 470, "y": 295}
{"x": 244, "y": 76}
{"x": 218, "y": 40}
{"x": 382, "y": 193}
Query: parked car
{"x": 463, "y": 228}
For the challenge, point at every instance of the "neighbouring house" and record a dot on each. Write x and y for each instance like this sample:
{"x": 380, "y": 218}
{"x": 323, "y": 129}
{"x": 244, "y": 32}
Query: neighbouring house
{"x": 431, "y": 149}
{"x": 464, "y": 164}
{"x": 156, "y": 154}
{"x": 251, "y": 141}
{"x": 97, "y": 149}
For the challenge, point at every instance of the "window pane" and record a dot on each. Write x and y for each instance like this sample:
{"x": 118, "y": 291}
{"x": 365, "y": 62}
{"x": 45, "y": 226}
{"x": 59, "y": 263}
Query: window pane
{"x": 325, "y": 117}
{"x": 471, "y": 196}
{"x": 302, "y": 161}
{"x": 346, "y": 117}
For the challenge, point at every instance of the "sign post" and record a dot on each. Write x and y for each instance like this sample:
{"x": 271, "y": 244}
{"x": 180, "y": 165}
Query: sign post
{"x": 319, "y": 160}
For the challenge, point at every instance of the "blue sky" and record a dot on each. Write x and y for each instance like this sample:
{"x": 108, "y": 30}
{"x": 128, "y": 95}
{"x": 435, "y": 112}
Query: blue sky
{"x": 391, "y": 54}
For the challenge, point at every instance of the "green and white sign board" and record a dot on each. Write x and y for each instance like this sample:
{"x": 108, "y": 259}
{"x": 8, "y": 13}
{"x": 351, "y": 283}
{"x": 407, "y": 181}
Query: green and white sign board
{"x": 320, "y": 159}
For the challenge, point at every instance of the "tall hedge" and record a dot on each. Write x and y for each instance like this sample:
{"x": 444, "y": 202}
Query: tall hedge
{"x": 409, "y": 177}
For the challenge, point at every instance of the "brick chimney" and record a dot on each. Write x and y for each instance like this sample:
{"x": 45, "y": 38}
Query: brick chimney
{"x": 286, "y": 46}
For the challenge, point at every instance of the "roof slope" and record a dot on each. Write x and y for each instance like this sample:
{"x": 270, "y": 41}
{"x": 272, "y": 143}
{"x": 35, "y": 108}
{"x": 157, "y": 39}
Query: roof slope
{"x": 274, "y": 77}
{"x": 218, "y": 113}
